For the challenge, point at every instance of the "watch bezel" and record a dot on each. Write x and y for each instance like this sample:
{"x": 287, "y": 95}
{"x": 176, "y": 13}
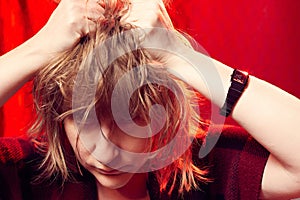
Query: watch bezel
{"x": 239, "y": 77}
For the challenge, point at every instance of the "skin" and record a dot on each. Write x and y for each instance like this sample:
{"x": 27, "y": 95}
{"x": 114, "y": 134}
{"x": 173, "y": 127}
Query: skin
{"x": 71, "y": 21}
{"x": 274, "y": 124}
{"x": 111, "y": 183}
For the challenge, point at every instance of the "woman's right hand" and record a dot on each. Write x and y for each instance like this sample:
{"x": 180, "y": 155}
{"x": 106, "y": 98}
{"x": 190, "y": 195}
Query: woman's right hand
{"x": 148, "y": 14}
{"x": 70, "y": 21}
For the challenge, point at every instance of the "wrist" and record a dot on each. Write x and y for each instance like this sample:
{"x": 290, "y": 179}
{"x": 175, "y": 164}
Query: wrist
{"x": 32, "y": 55}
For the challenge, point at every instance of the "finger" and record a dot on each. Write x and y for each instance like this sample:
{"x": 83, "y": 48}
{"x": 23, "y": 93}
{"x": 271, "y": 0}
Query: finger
{"x": 94, "y": 11}
{"x": 101, "y": 3}
{"x": 164, "y": 16}
{"x": 86, "y": 28}
{"x": 94, "y": 14}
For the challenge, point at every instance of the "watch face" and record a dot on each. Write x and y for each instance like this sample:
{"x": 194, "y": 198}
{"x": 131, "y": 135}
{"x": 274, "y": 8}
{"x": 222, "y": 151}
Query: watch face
{"x": 240, "y": 77}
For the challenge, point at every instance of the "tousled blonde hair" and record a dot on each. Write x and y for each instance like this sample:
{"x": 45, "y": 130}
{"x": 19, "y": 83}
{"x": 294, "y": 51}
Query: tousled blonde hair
{"x": 53, "y": 88}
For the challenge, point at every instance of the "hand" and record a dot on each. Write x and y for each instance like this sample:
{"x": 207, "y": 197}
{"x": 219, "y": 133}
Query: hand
{"x": 148, "y": 14}
{"x": 70, "y": 21}
{"x": 166, "y": 46}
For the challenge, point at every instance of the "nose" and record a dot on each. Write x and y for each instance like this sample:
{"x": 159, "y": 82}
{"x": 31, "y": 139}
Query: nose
{"x": 111, "y": 156}
{"x": 105, "y": 151}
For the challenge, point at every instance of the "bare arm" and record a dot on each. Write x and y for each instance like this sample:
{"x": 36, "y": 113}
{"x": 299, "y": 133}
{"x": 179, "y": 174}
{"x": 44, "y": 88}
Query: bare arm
{"x": 268, "y": 113}
{"x": 68, "y": 23}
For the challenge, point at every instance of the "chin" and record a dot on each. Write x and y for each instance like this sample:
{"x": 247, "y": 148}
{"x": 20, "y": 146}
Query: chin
{"x": 113, "y": 182}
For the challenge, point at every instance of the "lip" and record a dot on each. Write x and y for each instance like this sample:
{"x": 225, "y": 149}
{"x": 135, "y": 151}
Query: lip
{"x": 109, "y": 172}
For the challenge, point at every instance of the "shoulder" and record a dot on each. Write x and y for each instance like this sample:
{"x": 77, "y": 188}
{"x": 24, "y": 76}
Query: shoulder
{"x": 236, "y": 164}
{"x": 19, "y": 161}
{"x": 238, "y": 140}
{"x": 238, "y": 152}
{"x": 231, "y": 137}
{"x": 14, "y": 153}
{"x": 13, "y": 150}
{"x": 230, "y": 141}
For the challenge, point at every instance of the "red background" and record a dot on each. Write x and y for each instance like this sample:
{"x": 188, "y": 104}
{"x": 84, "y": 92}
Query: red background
{"x": 262, "y": 38}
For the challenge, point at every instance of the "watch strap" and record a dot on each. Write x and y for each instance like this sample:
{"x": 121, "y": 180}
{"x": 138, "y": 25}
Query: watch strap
{"x": 239, "y": 81}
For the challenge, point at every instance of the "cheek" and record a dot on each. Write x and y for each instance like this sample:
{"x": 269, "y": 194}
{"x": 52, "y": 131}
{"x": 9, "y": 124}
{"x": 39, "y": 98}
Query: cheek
{"x": 134, "y": 145}
{"x": 131, "y": 140}
{"x": 72, "y": 135}
{"x": 71, "y": 132}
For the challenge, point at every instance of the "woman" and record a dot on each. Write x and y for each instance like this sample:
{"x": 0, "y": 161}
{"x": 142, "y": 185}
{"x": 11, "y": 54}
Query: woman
{"x": 278, "y": 174}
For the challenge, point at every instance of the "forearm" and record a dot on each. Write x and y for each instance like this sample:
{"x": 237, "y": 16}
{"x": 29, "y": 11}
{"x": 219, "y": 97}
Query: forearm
{"x": 70, "y": 21}
{"x": 271, "y": 116}
{"x": 19, "y": 65}
{"x": 268, "y": 113}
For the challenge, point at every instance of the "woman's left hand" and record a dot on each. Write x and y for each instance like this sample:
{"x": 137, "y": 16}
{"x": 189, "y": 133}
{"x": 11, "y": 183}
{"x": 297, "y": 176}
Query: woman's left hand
{"x": 148, "y": 14}
{"x": 70, "y": 21}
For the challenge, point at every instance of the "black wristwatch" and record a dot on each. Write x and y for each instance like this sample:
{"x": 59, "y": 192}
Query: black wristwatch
{"x": 239, "y": 80}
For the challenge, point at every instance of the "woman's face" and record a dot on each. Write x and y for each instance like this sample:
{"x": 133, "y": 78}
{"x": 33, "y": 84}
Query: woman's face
{"x": 110, "y": 177}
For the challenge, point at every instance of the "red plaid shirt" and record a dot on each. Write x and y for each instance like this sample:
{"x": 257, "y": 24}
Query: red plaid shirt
{"x": 236, "y": 166}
